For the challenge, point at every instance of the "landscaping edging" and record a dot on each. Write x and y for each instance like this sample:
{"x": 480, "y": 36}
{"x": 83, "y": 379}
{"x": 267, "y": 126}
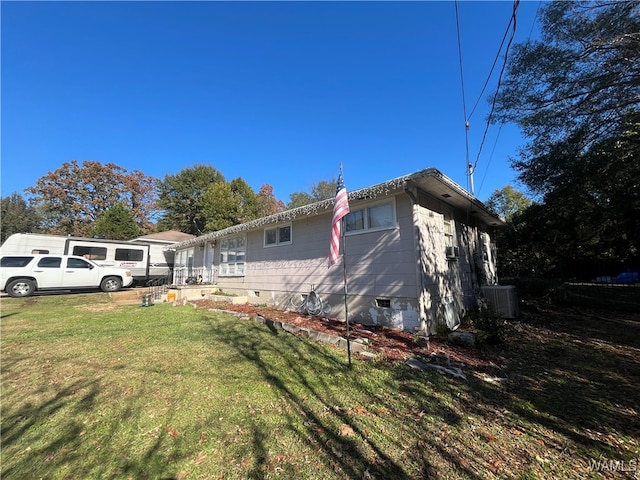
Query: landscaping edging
{"x": 438, "y": 360}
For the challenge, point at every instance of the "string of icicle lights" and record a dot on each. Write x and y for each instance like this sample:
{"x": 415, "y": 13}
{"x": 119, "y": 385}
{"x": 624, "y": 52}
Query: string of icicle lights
{"x": 323, "y": 206}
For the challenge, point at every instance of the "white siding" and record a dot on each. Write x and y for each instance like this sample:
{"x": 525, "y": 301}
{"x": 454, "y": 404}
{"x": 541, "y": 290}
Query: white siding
{"x": 404, "y": 266}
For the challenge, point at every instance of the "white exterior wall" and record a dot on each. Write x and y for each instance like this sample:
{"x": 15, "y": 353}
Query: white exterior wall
{"x": 450, "y": 286}
{"x": 381, "y": 264}
{"x": 404, "y": 267}
{"x": 438, "y": 289}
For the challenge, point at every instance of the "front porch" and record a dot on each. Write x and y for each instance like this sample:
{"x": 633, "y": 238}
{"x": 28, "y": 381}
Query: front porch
{"x": 194, "y": 276}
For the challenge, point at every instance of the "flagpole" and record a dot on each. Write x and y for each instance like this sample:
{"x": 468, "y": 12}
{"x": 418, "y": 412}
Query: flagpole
{"x": 340, "y": 210}
{"x": 344, "y": 270}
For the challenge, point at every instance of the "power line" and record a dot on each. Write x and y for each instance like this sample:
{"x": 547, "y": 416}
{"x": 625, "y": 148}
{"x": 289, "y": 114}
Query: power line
{"x": 464, "y": 102}
{"x": 511, "y": 26}
{"x": 495, "y": 144}
{"x": 493, "y": 66}
{"x": 502, "y": 124}
{"x": 513, "y": 22}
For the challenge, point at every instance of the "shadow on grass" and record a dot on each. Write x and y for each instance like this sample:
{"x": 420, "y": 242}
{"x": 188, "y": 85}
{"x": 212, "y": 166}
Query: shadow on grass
{"x": 388, "y": 422}
{"x": 33, "y": 415}
{"x": 421, "y": 407}
{"x": 340, "y": 453}
{"x": 579, "y": 376}
{"x": 573, "y": 386}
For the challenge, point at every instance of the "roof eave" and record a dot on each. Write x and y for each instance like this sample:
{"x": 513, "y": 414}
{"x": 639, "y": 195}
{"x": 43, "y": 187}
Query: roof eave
{"x": 460, "y": 198}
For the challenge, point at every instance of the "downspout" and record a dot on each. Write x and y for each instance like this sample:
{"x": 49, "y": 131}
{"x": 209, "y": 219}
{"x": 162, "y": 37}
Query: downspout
{"x": 417, "y": 247}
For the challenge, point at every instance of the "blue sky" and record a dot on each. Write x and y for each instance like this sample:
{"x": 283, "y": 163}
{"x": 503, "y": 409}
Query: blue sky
{"x": 274, "y": 92}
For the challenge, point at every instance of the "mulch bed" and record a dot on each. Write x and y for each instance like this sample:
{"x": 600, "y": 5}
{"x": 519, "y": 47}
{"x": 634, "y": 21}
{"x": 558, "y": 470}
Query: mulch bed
{"x": 392, "y": 345}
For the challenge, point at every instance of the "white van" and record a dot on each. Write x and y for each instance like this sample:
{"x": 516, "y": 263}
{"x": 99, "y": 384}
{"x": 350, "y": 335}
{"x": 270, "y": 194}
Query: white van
{"x": 23, "y": 275}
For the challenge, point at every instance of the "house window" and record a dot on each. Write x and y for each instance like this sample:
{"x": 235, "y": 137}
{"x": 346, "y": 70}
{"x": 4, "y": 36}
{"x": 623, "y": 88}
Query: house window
{"x": 450, "y": 244}
{"x": 232, "y": 257}
{"x": 375, "y": 217}
{"x": 277, "y": 236}
{"x": 182, "y": 258}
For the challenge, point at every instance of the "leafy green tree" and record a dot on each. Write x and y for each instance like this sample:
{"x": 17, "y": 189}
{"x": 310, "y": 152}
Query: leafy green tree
{"x": 507, "y": 202}
{"x": 587, "y": 218}
{"x": 16, "y": 216}
{"x": 510, "y": 203}
{"x": 249, "y": 208}
{"x": 117, "y": 223}
{"x": 576, "y": 96}
{"x": 181, "y": 198}
{"x": 222, "y": 207}
{"x": 525, "y": 245}
{"x": 324, "y": 189}
{"x": 299, "y": 199}
{"x": 321, "y": 190}
{"x": 141, "y": 197}
{"x": 583, "y": 76}
{"x": 602, "y": 187}
{"x": 72, "y": 198}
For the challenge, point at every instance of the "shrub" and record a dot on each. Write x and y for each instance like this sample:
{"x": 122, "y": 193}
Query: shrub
{"x": 490, "y": 327}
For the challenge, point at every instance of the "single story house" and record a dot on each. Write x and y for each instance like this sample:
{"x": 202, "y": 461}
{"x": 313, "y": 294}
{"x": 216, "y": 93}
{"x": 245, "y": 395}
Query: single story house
{"x": 416, "y": 251}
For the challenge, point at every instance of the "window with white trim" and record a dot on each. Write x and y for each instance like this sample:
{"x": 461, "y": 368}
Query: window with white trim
{"x": 451, "y": 247}
{"x": 380, "y": 216}
{"x": 280, "y": 235}
{"x": 233, "y": 253}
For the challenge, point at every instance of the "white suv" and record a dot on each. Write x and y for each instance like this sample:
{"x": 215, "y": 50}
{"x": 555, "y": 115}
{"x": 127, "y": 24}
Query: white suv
{"x": 22, "y": 275}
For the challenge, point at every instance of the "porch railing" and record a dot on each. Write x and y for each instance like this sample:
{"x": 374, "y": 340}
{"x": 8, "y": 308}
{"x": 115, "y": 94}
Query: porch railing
{"x": 193, "y": 276}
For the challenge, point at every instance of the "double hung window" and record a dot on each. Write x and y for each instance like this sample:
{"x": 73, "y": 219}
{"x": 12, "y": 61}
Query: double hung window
{"x": 232, "y": 257}
{"x": 450, "y": 243}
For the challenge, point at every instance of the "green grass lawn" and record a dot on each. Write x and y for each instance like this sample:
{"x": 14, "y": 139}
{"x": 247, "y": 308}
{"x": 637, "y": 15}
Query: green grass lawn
{"x": 93, "y": 390}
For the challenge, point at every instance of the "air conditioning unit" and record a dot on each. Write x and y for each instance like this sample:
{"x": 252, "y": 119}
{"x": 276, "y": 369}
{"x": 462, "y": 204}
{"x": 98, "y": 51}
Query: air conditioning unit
{"x": 451, "y": 252}
{"x": 502, "y": 299}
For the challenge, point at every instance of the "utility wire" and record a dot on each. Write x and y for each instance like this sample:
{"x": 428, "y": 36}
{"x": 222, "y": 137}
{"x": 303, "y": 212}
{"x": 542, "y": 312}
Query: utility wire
{"x": 464, "y": 102}
{"x": 495, "y": 144}
{"x": 493, "y": 66}
{"x": 502, "y": 124}
{"x": 513, "y": 22}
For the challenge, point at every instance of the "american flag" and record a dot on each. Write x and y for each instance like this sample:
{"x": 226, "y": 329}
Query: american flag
{"x": 340, "y": 209}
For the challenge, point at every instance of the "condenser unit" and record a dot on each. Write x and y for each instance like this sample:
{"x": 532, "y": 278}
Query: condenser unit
{"x": 502, "y": 299}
